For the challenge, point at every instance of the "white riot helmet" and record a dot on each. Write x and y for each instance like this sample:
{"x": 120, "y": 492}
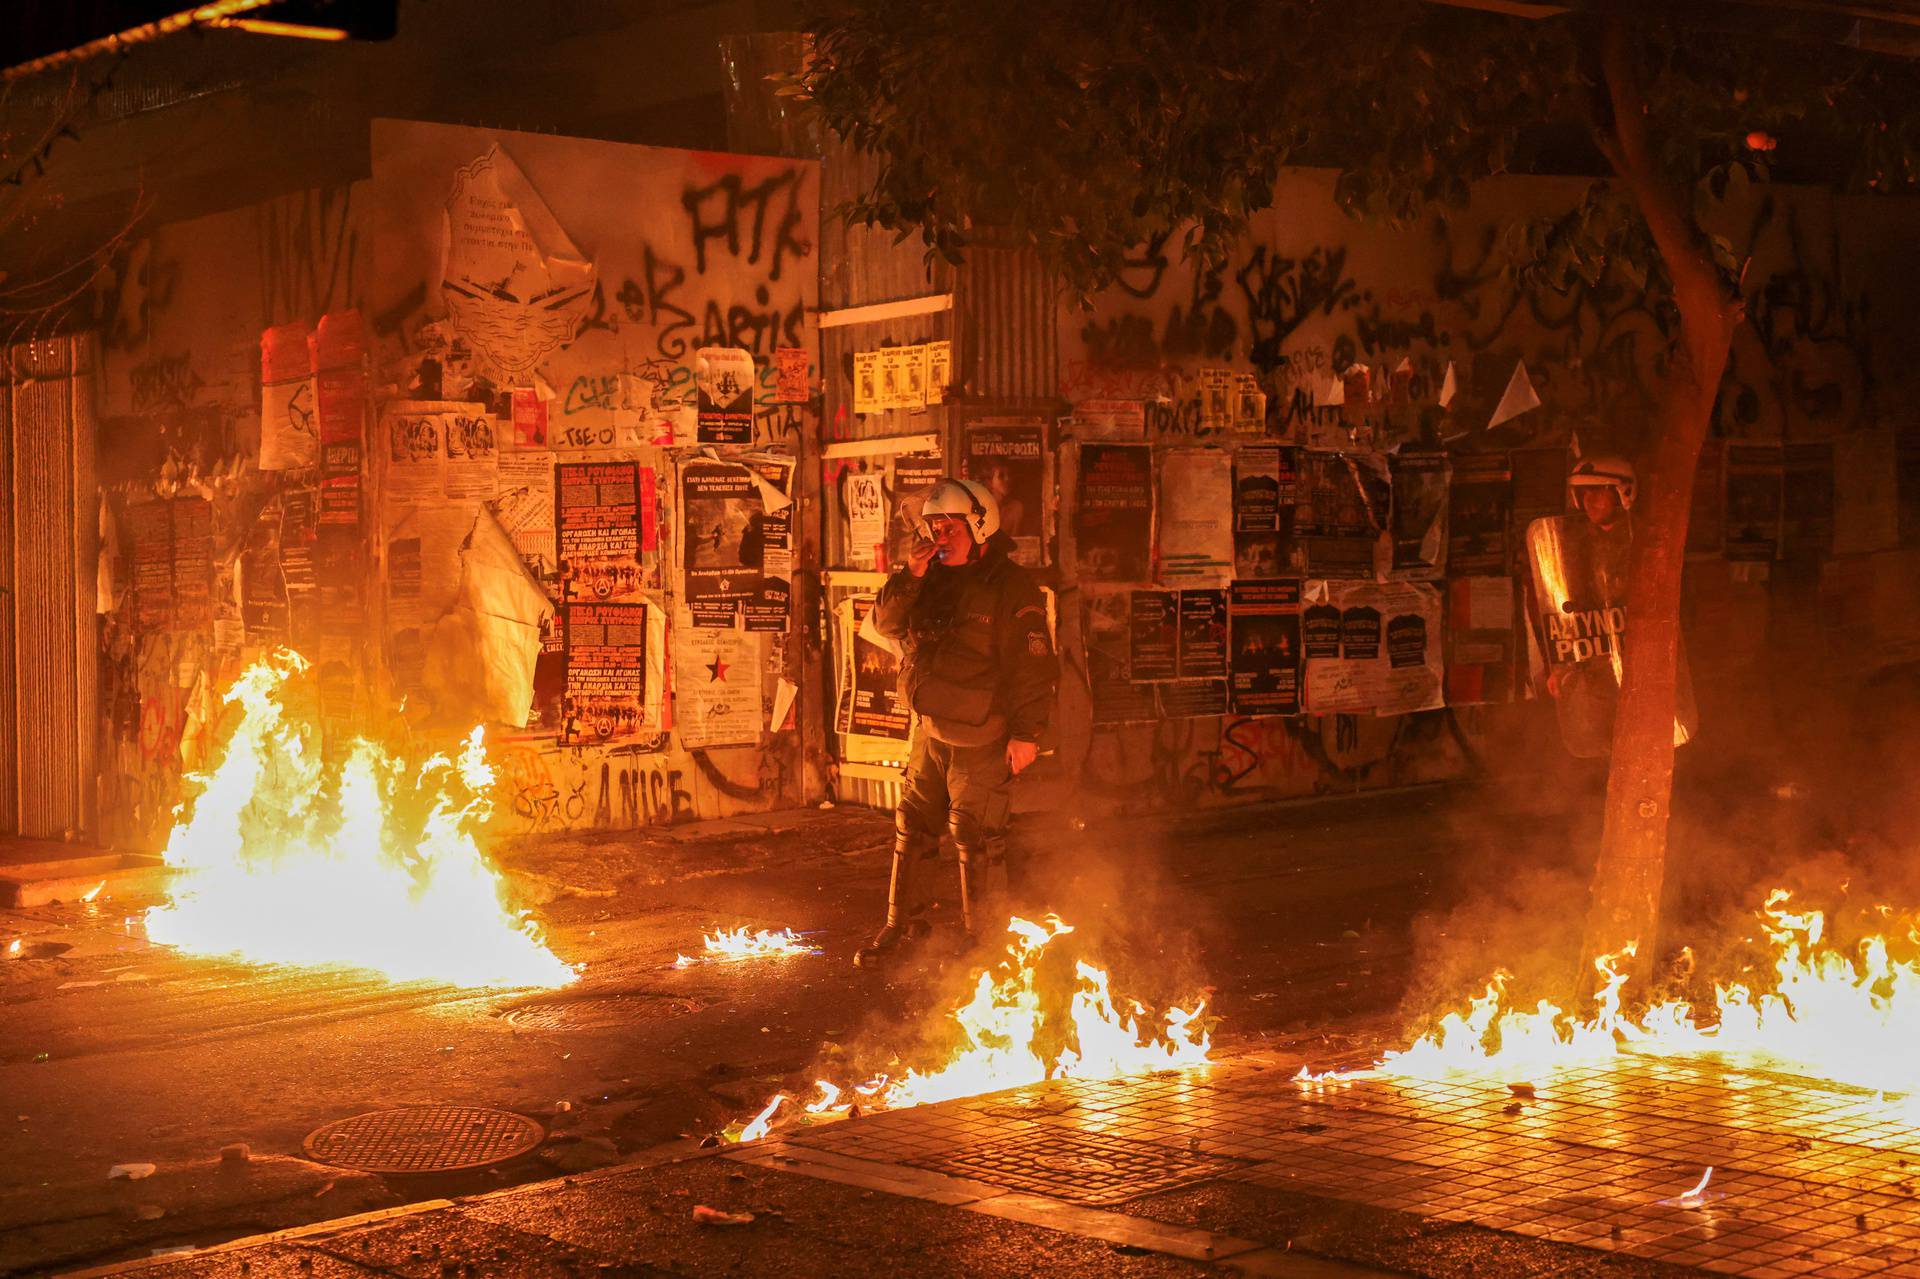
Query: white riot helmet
{"x": 1603, "y": 470}
{"x": 969, "y": 499}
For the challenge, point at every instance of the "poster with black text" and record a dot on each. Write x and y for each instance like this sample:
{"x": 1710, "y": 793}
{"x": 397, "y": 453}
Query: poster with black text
{"x": 1010, "y": 457}
{"x": 1153, "y": 650}
{"x": 596, "y": 523}
{"x": 1203, "y": 635}
{"x": 606, "y": 669}
{"x": 1113, "y": 512}
{"x": 723, "y": 524}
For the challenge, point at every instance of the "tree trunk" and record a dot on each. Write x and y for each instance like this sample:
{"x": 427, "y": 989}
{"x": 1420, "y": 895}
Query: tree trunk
{"x": 1624, "y": 908}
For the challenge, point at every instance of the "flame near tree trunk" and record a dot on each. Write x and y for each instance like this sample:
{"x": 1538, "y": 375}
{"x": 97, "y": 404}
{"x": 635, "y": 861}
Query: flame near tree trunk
{"x": 1851, "y": 1014}
{"x": 373, "y": 865}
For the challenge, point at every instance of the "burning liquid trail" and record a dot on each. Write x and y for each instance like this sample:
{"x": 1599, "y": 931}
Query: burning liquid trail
{"x": 1849, "y": 1015}
{"x": 999, "y": 1032}
{"x": 285, "y": 861}
{"x": 740, "y": 943}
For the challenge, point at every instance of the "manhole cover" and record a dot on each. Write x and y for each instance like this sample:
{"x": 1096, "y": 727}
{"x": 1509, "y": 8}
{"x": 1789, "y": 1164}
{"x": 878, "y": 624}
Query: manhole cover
{"x": 424, "y": 1139}
{"x": 1079, "y": 1167}
{"x": 591, "y": 1012}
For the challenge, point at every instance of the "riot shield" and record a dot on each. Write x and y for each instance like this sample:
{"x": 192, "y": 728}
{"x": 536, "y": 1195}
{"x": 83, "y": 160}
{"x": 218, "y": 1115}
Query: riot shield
{"x": 1580, "y": 589}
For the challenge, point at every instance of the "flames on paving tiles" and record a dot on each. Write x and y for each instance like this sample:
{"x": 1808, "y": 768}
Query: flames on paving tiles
{"x": 1810, "y": 1007}
{"x": 1013, "y": 1030}
{"x": 371, "y": 864}
{"x": 734, "y": 944}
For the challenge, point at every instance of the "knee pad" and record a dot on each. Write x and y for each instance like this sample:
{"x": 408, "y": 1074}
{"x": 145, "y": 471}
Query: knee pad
{"x": 911, "y": 838}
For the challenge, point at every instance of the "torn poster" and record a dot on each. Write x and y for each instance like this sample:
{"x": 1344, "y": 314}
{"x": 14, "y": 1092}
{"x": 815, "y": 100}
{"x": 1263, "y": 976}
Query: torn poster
{"x": 172, "y": 563}
{"x": 1481, "y": 658}
{"x": 1518, "y": 398}
{"x": 289, "y": 439}
{"x": 473, "y": 454}
{"x": 912, "y": 476}
{"x": 423, "y": 561}
{"x": 1216, "y": 399}
{"x": 514, "y": 285}
{"x": 866, "y": 382}
{"x": 723, "y": 379}
{"x": 1478, "y": 508}
{"x": 606, "y": 665}
{"x": 793, "y": 375}
{"x": 1153, "y": 637}
{"x": 1110, "y": 419}
{"x": 596, "y": 522}
{"x": 1248, "y": 414}
{"x": 1116, "y": 698}
{"x": 1196, "y": 492}
{"x": 1009, "y": 456}
{"x": 150, "y": 524}
{"x": 716, "y": 686}
{"x": 1340, "y": 511}
{"x": 1265, "y": 662}
{"x": 939, "y": 371}
{"x": 769, "y": 538}
{"x": 416, "y": 455}
{"x": 866, "y": 508}
{"x": 869, "y": 694}
{"x": 1113, "y": 512}
{"x": 263, "y": 589}
{"x": 342, "y": 404}
{"x": 1754, "y": 502}
{"x": 1389, "y": 658}
{"x": 1419, "y": 514}
{"x": 523, "y": 503}
{"x": 1203, "y": 635}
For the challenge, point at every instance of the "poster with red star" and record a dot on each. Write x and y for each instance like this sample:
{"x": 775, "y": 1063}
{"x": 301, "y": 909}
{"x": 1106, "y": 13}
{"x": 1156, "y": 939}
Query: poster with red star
{"x": 716, "y": 685}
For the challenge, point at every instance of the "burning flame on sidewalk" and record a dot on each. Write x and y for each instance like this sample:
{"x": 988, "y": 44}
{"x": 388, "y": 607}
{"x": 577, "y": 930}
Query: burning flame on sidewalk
{"x": 729, "y": 945}
{"x": 1849, "y": 1015}
{"x": 1000, "y": 1032}
{"x": 286, "y": 861}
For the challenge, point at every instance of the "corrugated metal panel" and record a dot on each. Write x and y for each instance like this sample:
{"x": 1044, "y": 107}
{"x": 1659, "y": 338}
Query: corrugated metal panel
{"x": 52, "y": 519}
{"x": 1009, "y": 347}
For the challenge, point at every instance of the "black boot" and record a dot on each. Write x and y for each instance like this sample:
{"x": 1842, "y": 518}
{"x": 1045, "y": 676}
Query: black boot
{"x": 983, "y": 886}
{"x": 911, "y": 855}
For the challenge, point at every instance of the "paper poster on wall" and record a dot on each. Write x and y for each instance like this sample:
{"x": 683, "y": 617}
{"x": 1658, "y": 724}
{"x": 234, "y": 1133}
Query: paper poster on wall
{"x": 150, "y": 524}
{"x": 1263, "y": 498}
{"x": 529, "y": 419}
{"x": 736, "y": 541}
{"x": 473, "y": 455}
{"x": 716, "y": 686}
{"x": 1755, "y": 502}
{"x": 866, "y": 508}
{"x": 1807, "y": 501}
{"x": 793, "y": 375}
{"x": 1265, "y": 646}
{"x": 423, "y": 560}
{"x": 1113, "y": 512}
{"x": 1389, "y": 659}
{"x": 192, "y": 563}
{"x": 1153, "y": 644}
{"x": 1419, "y": 514}
{"x": 771, "y": 527}
{"x": 1009, "y": 456}
{"x": 1110, "y": 419}
{"x": 514, "y": 285}
{"x": 910, "y": 476}
{"x": 524, "y": 505}
{"x": 263, "y": 588}
{"x": 870, "y": 697}
{"x": 1339, "y": 513}
{"x": 1482, "y": 654}
{"x": 289, "y": 438}
{"x": 1203, "y": 634}
{"x": 342, "y": 404}
{"x": 596, "y": 522}
{"x": 866, "y": 382}
{"x": 1478, "y": 510}
{"x": 604, "y": 699}
{"x": 1116, "y": 699}
{"x": 939, "y": 371}
{"x": 416, "y": 457}
{"x": 1195, "y": 537}
{"x": 723, "y": 381}
{"x": 1191, "y": 698}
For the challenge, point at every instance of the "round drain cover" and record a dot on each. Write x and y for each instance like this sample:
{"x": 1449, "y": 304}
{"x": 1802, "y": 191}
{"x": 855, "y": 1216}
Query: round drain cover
{"x": 593, "y": 1012}
{"x": 424, "y": 1139}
